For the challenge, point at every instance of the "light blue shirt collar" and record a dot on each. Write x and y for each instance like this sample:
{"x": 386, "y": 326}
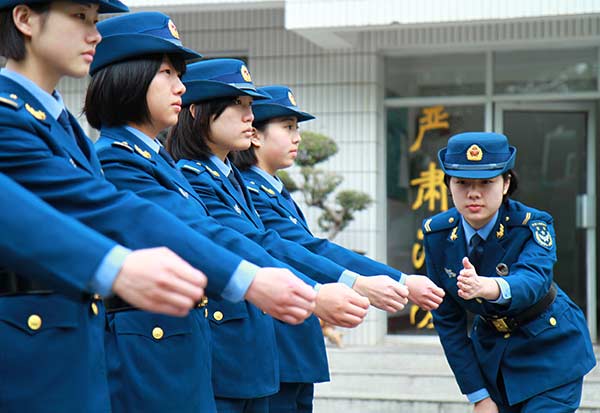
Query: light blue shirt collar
{"x": 483, "y": 231}
{"x": 224, "y": 167}
{"x": 152, "y": 143}
{"x": 52, "y": 103}
{"x": 272, "y": 180}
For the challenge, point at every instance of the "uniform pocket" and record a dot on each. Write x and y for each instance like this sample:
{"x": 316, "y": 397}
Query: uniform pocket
{"x": 35, "y": 314}
{"x": 220, "y": 312}
{"x": 550, "y": 318}
{"x": 154, "y": 327}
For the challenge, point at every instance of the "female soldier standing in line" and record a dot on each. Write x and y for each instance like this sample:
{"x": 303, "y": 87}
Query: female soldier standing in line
{"x": 216, "y": 120}
{"x": 134, "y": 94}
{"x": 529, "y": 347}
{"x": 275, "y": 147}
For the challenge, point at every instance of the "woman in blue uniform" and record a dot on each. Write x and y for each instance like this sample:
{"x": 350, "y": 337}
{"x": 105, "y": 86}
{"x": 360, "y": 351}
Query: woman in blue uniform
{"x": 275, "y": 147}
{"x": 218, "y": 121}
{"x": 529, "y": 347}
{"x": 135, "y": 93}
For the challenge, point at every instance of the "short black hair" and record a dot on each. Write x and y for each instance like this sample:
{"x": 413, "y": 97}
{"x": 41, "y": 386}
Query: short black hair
{"x": 116, "y": 94}
{"x": 188, "y": 139}
{"x": 243, "y": 160}
{"x": 512, "y": 187}
{"x": 12, "y": 45}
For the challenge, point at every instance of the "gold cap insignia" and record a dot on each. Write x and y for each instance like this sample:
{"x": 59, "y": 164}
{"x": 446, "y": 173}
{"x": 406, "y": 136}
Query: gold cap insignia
{"x": 38, "y": 114}
{"x": 212, "y": 171}
{"x": 267, "y": 190}
{"x": 474, "y": 153}
{"x": 245, "y": 74}
{"x": 142, "y": 152}
{"x": 173, "y": 29}
{"x": 292, "y": 99}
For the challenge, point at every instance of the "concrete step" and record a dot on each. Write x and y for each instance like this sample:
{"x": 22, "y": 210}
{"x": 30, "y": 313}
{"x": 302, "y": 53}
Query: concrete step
{"x": 399, "y": 377}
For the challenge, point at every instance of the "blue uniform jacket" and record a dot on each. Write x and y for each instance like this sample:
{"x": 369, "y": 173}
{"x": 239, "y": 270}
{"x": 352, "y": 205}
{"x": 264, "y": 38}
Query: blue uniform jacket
{"x": 254, "y": 372}
{"x": 302, "y": 357}
{"x": 45, "y": 246}
{"x": 275, "y": 214}
{"x": 36, "y": 152}
{"x": 552, "y": 350}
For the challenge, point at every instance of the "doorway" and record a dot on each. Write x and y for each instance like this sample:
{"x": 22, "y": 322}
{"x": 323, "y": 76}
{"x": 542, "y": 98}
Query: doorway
{"x": 556, "y": 165}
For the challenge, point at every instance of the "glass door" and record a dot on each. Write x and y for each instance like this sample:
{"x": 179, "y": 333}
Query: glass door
{"x": 556, "y": 165}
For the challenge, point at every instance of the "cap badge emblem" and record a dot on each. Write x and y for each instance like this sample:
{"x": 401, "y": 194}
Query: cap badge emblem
{"x": 474, "y": 153}
{"x": 292, "y": 99}
{"x": 173, "y": 29}
{"x": 245, "y": 74}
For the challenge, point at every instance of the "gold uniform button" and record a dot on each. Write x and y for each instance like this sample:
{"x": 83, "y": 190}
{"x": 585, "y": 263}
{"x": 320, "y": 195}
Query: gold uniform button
{"x": 34, "y": 322}
{"x": 451, "y": 220}
{"x": 478, "y": 300}
{"x": 205, "y": 312}
{"x": 552, "y": 321}
{"x": 97, "y": 297}
{"x": 217, "y": 315}
{"x": 157, "y": 333}
{"x": 507, "y": 335}
{"x": 94, "y": 308}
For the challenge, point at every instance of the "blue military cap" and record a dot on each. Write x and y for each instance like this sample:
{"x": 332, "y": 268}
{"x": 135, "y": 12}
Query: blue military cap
{"x": 218, "y": 78}
{"x": 136, "y": 35}
{"x": 477, "y": 155}
{"x": 282, "y": 103}
{"x": 106, "y": 6}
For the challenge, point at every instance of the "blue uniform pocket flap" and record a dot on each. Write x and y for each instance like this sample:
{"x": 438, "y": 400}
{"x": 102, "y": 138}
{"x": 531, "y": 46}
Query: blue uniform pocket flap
{"x": 153, "y": 326}
{"x": 35, "y": 314}
{"x": 548, "y": 319}
{"x": 221, "y": 311}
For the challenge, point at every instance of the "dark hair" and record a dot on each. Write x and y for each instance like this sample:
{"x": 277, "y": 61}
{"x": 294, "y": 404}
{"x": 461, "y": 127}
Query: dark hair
{"x": 188, "y": 138}
{"x": 245, "y": 159}
{"x": 12, "y": 45}
{"x": 512, "y": 187}
{"x": 117, "y": 93}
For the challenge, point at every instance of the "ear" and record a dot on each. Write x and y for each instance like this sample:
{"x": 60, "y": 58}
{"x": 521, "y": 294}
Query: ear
{"x": 506, "y": 185}
{"x": 193, "y": 110}
{"x": 23, "y": 19}
{"x": 256, "y": 139}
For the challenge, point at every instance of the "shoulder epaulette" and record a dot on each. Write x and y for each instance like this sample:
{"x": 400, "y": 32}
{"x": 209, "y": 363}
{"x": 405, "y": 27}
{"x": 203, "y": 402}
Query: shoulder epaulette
{"x": 522, "y": 215}
{"x": 10, "y": 100}
{"x": 269, "y": 191}
{"x": 190, "y": 168}
{"x": 123, "y": 145}
{"x": 443, "y": 221}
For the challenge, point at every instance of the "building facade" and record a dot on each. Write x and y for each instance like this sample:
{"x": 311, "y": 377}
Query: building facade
{"x": 390, "y": 81}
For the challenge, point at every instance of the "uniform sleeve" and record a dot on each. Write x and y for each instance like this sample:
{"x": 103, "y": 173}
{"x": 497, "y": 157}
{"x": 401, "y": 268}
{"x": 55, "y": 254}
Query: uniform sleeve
{"x": 119, "y": 215}
{"x": 450, "y": 321}
{"x": 531, "y": 274}
{"x": 287, "y": 229}
{"x": 130, "y": 172}
{"x": 40, "y": 243}
{"x": 317, "y": 268}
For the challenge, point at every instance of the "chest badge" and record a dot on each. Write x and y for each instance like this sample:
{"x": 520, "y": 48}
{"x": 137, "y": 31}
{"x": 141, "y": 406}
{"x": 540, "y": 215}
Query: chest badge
{"x": 450, "y": 273}
{"x": 238, "y": 209}
{"x": 502, "y": 269}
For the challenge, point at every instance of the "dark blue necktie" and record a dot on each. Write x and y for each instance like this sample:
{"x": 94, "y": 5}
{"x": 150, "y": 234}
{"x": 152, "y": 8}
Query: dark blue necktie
{"x": 166, "y": 156}
{"x": 236, "y": 184}
{"x": 288, "y": 198}
{"x": 477, "y": 244}
{"x": 63, "y": 119}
